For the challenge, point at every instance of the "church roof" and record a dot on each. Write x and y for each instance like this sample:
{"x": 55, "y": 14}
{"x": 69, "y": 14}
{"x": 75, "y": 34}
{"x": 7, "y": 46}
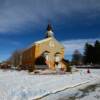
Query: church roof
{"x": 49, "y": 33}
{"x": 43, "y": 40}
{"x": 37, "y": 42}
{"x": 47, "y": 39}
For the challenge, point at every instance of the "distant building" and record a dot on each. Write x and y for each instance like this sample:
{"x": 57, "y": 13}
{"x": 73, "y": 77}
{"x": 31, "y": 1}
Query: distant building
{"x": 44, "y": 54}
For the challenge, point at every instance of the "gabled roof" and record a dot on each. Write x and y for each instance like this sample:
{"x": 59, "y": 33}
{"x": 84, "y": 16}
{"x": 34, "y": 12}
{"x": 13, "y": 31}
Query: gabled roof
{"x": 47, "y": 39}
{"x": 37, "y": 42}
{"x": 28, "y": 47}
{"x": 44, "y": 40}
{"x": 41, "y": 41}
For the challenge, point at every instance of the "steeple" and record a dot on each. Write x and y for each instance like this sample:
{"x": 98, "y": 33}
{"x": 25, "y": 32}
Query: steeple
{"x": 49, "y": 27}
{"x": 49, "y": 32}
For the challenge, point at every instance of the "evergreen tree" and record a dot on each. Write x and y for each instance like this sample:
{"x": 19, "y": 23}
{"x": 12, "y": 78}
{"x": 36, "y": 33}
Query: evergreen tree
{"x": 88, "y": 54}
{"x": 92, "y": 53}
{"x": 97, "y": 52}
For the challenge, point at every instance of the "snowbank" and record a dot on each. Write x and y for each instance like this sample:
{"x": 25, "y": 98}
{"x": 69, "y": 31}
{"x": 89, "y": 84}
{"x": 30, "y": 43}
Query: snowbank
{"x": 22, "y": 86}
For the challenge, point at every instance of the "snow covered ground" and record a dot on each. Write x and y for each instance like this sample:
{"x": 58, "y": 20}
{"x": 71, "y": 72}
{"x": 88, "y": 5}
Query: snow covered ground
{"x": 23, "y": 86}
{"x": 88, "y": 91}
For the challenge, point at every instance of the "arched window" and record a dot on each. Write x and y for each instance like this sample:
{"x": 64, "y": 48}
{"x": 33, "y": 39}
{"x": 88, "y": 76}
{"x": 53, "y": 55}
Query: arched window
{"x": 57, "y": 57}
{"x": 46, "y": 55}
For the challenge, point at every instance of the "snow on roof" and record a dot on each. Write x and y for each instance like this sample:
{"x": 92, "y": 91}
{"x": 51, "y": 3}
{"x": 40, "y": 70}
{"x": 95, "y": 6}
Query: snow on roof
{"x": 41, "y": 41}
{"x": 28, "y": 47}
{"x": 44, "y": 40}
{"x": 37, "y": 42}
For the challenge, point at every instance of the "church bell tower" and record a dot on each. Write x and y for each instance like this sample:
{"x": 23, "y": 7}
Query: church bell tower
{"x": 49, "y": 32}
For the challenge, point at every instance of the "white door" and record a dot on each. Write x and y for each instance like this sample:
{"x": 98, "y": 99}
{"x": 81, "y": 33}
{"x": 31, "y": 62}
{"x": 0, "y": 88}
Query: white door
{"x": 47, "y": 57}
{"x": 58, "y": 67}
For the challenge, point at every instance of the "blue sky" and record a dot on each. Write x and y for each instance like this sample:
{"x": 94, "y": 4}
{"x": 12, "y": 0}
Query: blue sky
{"x": 22, "y": 22}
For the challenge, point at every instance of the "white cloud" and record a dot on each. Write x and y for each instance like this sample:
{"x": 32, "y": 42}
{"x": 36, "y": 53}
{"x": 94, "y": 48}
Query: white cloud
{"x": 71, "y": 45}
{"x": 14, "y": 14}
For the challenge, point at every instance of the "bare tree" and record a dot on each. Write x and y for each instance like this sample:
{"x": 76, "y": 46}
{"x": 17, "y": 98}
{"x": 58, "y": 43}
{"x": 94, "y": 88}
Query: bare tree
{"x": 16, "y": 58}
{"x": 77, "y": 57}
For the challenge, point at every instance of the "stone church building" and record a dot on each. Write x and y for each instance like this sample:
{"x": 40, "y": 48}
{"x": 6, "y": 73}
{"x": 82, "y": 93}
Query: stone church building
{"x": 44, "y": 54}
